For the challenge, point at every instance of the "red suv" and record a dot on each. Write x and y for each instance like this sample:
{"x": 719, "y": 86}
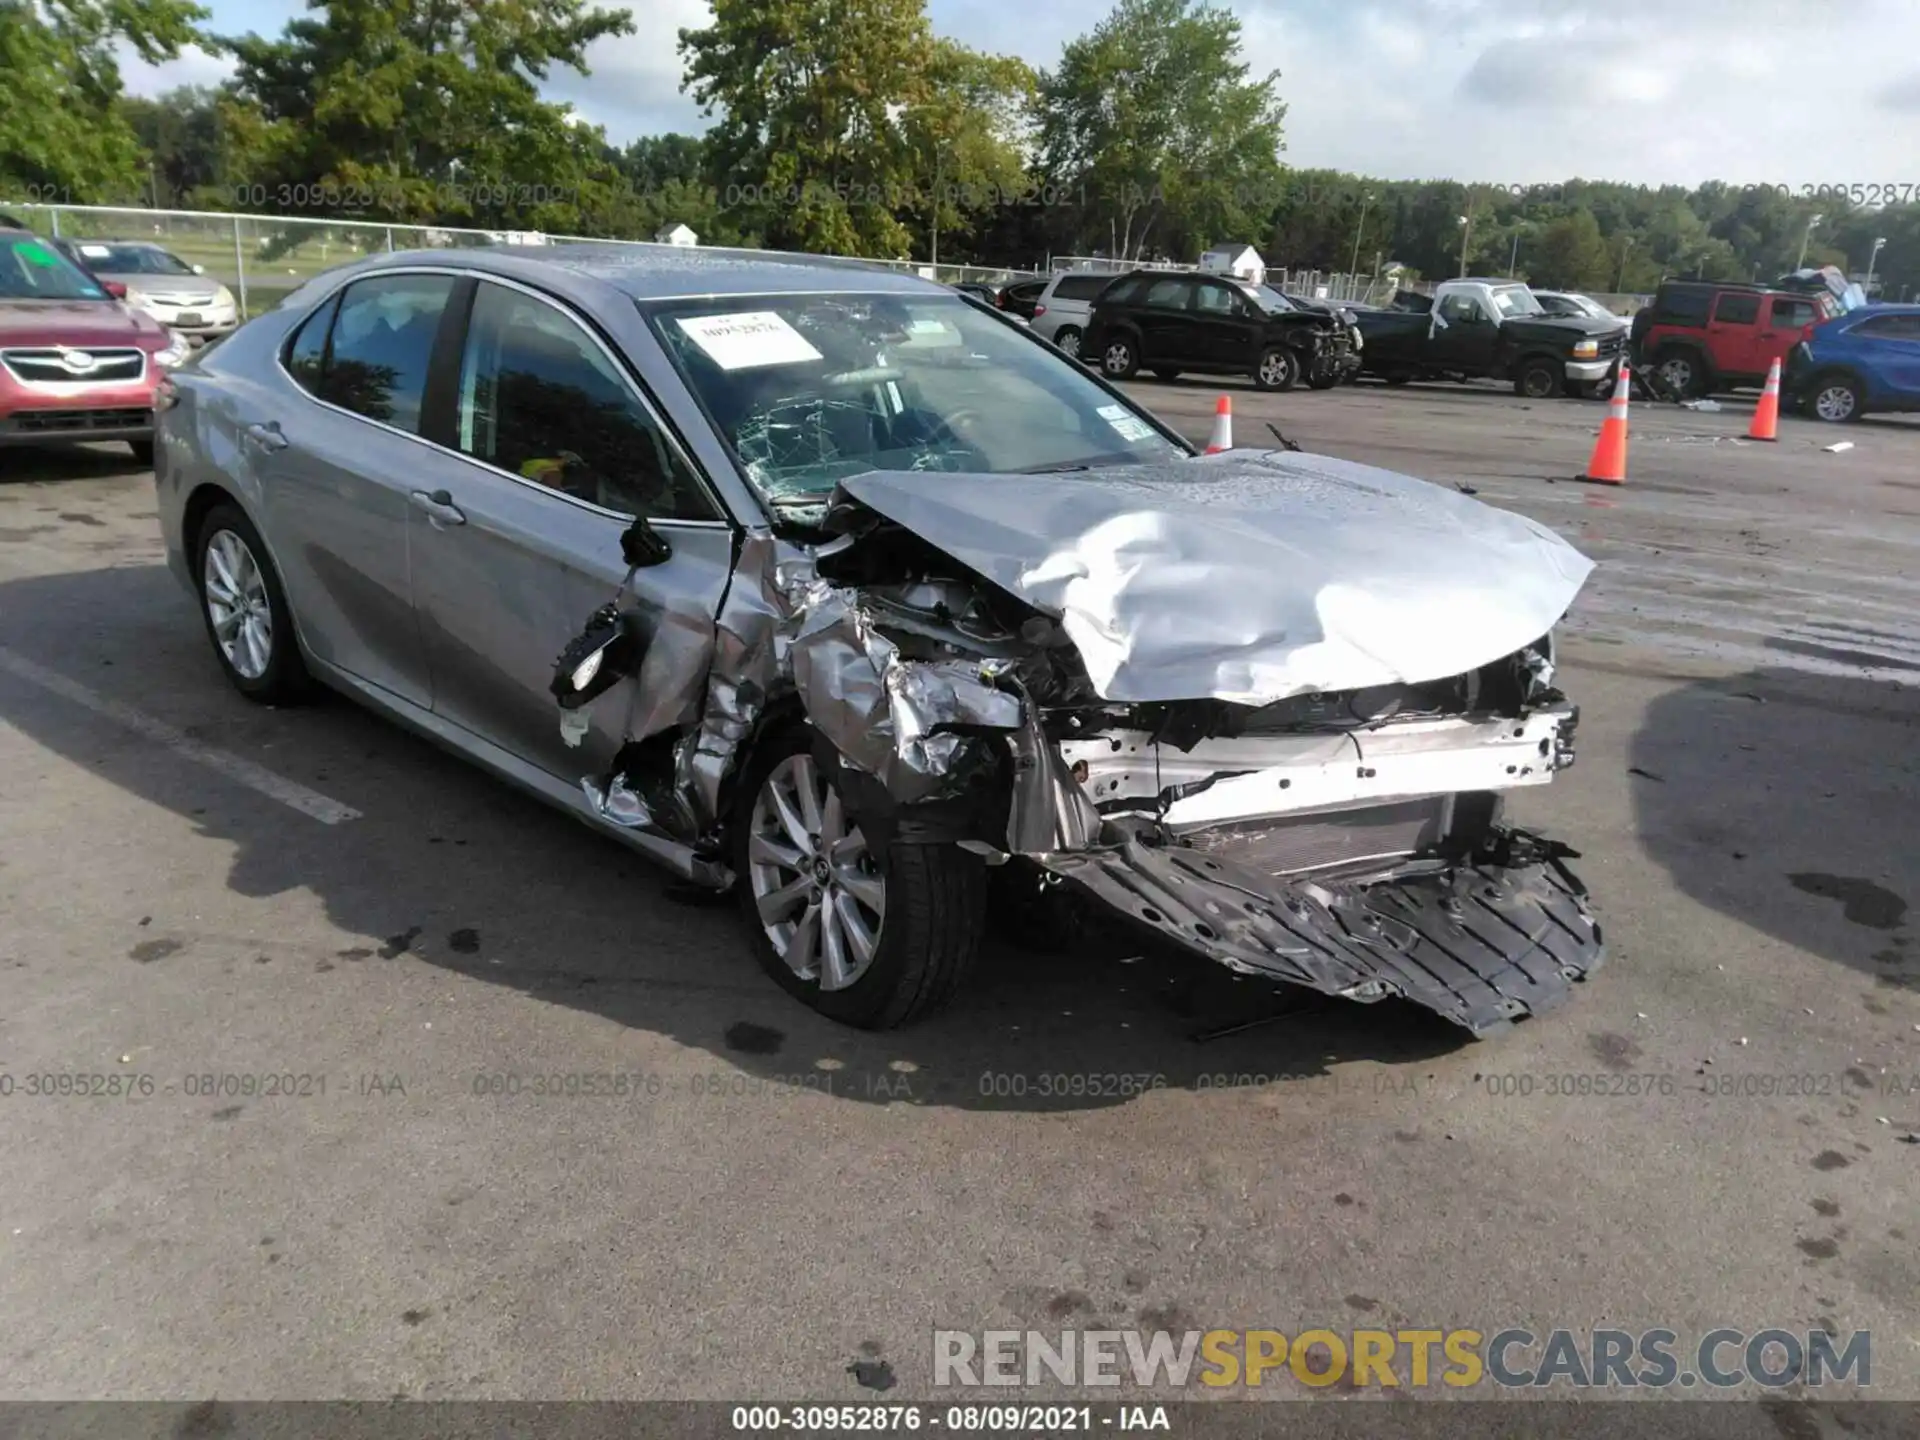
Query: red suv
{"x": 1704, "y": 337}
{"x": 75, "y": 364}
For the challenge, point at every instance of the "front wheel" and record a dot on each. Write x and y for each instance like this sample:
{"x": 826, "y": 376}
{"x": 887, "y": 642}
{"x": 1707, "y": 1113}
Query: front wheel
{"x": 873, "y": 938}
{"x": 1277, "y": 370}
{"x": 246, "y": 610}
{"x": 1682, "y": 374}
{"x": 1120, "y": 360}
{"x": 1536, "y": 378}
{"x": 1835, "y": 399}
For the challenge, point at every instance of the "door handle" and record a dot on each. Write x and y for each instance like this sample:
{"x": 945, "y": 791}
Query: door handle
{"x": 438, "y": 507}
{"x": 267, "y": 435}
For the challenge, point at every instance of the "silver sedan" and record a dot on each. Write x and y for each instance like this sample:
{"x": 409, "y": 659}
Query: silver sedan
{"x": 829, "y": 586}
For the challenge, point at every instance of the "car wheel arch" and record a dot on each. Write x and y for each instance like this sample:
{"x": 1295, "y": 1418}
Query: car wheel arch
{"x": 1843, "y": 373}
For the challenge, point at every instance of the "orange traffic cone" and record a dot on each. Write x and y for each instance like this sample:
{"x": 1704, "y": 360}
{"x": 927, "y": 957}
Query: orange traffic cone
{"x": 1609, "y": 463}
{"x": 1766, "y": 415}
{"x": 1222, "y": 426}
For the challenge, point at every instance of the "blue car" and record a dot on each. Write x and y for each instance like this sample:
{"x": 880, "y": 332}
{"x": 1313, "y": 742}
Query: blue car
{"x": 1859, "y": 363}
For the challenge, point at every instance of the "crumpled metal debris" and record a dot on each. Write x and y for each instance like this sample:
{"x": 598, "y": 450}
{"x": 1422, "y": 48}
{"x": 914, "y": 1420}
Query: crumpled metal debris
{"x": 882, "y": 712}
{"x": 618, "y": 804}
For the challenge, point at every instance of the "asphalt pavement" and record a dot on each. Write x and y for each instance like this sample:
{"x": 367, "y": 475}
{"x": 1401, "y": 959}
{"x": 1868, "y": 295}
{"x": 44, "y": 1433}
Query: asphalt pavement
{"x": 312, "y": 955}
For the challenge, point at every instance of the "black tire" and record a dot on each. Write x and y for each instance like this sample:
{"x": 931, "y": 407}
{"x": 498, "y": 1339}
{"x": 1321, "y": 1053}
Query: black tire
{"x": 142, "y": 451}
{"x": 935, "y": 915}
{"x": 1278, "y": 369}
{"x": 1325, "y": 382}
{"x": 283, "y": 679}
{"x": 1398, "y": 378}
{"x": 1538, "y": 377}
{"x": 1834, "y": 399}
{"x": 1167, "y": 375}
{"x": 1068, "y": 339}
{"x": 1120, "y": 357}
{"x": 1682, "y": 371}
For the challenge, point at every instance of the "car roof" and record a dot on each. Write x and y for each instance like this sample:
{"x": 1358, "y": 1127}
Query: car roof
{"x": 666, "y": 272}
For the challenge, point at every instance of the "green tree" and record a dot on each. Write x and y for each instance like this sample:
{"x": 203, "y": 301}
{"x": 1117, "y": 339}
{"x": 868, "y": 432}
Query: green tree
{"x": 428, "y": 112}
{"x": 1153, "y": 120}
{"x": 62, "y": 135}
{"x": 965, "y": 137}
{"x": 1572, "y": 255}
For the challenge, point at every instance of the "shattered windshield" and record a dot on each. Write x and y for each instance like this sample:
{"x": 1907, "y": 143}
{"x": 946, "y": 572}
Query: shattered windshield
{"x": 809, "y": 389}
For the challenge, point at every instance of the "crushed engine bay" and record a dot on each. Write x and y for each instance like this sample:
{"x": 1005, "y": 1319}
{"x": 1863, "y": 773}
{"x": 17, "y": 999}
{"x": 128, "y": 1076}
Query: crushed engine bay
{"x": 1270, "y": 712}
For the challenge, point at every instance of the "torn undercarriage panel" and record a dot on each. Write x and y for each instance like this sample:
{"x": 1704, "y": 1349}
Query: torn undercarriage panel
{"x": 1490, "y": 937}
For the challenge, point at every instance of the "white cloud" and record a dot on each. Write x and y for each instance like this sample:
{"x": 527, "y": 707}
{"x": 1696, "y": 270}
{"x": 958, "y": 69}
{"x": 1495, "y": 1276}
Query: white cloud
{"x": 193, "y": 66}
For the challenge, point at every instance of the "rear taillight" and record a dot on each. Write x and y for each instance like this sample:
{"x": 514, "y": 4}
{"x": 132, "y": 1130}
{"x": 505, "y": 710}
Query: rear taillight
{"x": 1038, "y": 311}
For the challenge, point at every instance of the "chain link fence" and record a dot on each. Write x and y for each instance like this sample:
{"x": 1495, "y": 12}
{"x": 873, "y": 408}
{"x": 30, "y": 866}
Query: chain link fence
{"x": 264, "y": 258}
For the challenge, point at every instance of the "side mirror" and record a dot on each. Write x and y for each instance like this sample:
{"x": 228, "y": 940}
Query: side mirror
{"x": 114, "y": 288}
{"x": 642, "y": 546}
{"x": 602, "y": 655}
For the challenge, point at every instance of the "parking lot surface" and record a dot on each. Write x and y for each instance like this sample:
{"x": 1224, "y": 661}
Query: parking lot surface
{"x": 324, "y": 962}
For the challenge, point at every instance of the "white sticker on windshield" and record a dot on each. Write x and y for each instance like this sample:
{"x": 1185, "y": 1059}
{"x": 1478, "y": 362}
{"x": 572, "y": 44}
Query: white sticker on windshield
{"x": 1113, "y": 412}
{"x": 1129, "y": 428}
{"x": 742, "y": 342}
{"x": 926, "y": 327}
{"x": 95, "y": 252}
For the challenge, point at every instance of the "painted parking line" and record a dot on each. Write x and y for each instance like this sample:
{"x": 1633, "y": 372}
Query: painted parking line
{"x": 255, "y": 777}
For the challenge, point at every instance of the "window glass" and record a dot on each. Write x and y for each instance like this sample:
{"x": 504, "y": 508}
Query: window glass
{"x": 1081, "y": 287}
{"x": 110, "y": 259}
{"x": 1890, "y": 327}
{"x": 1212, "y": 300}
{"x": 1461, "y": 309}
{"x": 1125, "y": 292}
{"x": 540, "y": 399}
{"x": 307, "y": 352}
{"x": 1169, "y": 294}
{"x": 382, "y": 345}
{"x": 1736, "y": 309}
{"x": 1683, "y": 307}
{"x": 32, "y": 270}
{"x": 1792, "y": 314}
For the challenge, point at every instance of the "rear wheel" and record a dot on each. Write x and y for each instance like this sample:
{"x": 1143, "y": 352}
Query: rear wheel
{"x": 873, "y": 939}
{"x": 1120, "y": 360}
{"x": 1836, "y": 399}
{"x": 246, "y": 610}
{"x": 1069, "y": 341}
{"x": 1278, "y": 369}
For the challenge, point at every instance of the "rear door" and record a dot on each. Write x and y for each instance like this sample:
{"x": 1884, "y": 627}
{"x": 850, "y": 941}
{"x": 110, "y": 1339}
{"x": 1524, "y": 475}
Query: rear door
{"x": 336, "y": 468}
{"x": 553, "y": 448}
{"x": 1166, "y": 321}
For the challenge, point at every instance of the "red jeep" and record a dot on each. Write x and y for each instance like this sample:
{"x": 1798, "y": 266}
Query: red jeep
{"x": 1704, "y": 337}
{"x": 75, "y": 364}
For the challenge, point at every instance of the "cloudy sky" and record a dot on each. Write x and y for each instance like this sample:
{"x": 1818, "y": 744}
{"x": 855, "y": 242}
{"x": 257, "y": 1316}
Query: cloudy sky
{"x": 1795, "y": 92}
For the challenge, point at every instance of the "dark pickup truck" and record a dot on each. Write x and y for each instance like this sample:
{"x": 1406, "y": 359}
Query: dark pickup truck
{"x": 1479, "y": 329}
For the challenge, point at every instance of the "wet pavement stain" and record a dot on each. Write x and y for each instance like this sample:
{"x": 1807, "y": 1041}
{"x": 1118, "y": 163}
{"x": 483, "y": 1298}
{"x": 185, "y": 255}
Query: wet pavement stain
{"x": 1362, "y": 1302}
{"x": 324, "y": 966}
{"x": 80, "y": 518}
{"x": 1827, "y": 1208}
{"x": 872, "y": 1374}
{"x": 1069, "y": 1302}
{"x": 413, "y": 1317}
{"x": 1830, "y": 1160}
{"x": 398, "y": 945}
{"x": 1864, "y": 902}
{"x": 1616, "y": 1052}
{"x": 751, "y": 1039}
{"x": 464, "y": 942}
{"x": 357, "y": 952}
{"x": 232, "y": 1112}
{"x": 148, "y": 951}
{"x": 1817, "y": 1249}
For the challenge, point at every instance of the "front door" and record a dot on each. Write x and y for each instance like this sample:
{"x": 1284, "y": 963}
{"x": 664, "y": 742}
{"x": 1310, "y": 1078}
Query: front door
{"x": 1790, "y": 319}
{"x": 517, "y": 537}
{"x": 1469, "y": 338}
{"x": 335, "y": 474}
{"x": 1226, "y": 329}
{"x": 1166, "y": 324}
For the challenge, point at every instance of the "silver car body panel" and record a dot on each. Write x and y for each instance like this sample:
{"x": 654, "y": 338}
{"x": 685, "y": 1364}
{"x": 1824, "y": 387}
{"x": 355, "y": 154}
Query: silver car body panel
{"x": 1251, "y": 577}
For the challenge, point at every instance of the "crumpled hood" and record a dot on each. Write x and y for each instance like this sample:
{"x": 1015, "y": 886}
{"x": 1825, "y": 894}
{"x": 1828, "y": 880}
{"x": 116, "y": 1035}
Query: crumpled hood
{"x": 1248, "y": 576}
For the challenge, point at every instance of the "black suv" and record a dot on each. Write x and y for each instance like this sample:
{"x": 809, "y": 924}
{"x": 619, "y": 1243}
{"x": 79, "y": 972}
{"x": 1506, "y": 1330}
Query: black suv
{"x": 1172, "y": 321}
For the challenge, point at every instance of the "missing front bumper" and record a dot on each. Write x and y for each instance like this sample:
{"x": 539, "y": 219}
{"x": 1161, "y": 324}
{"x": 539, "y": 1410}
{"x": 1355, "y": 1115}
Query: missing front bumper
{"x": 1484, "y": 942}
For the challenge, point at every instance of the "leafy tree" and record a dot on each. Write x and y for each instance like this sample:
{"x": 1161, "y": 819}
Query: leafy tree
{"x": 422, "y": 111}
{"x": 61, "y": 133}
{"x": 199, "y": 144}
{"x": 1153, "y": 122}
{"x": 965, "y": 137}
{"x": 1571, "y": 254}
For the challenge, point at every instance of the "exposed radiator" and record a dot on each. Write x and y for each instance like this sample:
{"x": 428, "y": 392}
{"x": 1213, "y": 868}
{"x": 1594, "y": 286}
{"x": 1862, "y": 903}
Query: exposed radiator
{"x": 1295, "y": 844}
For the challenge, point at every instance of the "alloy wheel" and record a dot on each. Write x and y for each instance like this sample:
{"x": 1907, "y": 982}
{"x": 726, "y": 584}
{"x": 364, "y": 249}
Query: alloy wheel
{"x": 1274, "y": 367}
{"x": 1834, "y": 402}
{"x": 1119, "y": 358}
{"x": 236, "y": 595}
{"x": 1678, "y": 374}
{"x": 821, "y": 899}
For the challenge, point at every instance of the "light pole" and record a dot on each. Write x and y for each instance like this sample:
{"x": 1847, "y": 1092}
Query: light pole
{"x": 1878, "y": 245}
{"x": 1620, "y": 284}
{"x": 1513, "y": 260}
{"x": 1466, "y": 232}
{"x": 1360, "y": 229}
{"x": 1811, "y": 226}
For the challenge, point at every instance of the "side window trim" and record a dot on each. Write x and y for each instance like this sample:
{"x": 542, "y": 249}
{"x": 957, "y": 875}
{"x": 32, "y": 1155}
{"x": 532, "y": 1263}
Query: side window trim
{"x": 668, "y": 435}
